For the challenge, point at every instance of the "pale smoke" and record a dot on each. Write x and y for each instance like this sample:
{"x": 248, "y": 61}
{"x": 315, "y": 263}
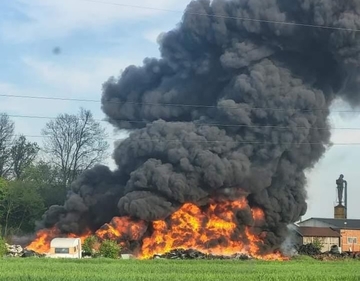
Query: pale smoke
{"x": 288, "y": 247}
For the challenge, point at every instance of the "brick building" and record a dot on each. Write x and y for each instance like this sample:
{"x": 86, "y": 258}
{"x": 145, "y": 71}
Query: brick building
{"x": 348, "y": 229}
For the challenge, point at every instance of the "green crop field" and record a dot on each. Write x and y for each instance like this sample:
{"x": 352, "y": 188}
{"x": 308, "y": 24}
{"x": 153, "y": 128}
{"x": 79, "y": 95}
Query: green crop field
{"x": 12, "y": 269}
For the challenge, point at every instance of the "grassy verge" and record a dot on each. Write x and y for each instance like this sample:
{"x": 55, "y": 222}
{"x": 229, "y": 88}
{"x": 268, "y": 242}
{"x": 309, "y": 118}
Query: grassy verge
{"x": 167, "y": 270}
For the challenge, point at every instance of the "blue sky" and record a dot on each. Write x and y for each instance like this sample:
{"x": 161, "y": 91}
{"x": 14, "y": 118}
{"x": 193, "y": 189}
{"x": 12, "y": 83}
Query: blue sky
{"x": 97, "y": 41}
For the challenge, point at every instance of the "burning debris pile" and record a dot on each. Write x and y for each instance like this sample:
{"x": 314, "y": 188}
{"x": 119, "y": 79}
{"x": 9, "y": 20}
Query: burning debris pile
{"x": 222, "y": 128}
{"x": 194, "y": 254}
{"x": 18, "y": 251}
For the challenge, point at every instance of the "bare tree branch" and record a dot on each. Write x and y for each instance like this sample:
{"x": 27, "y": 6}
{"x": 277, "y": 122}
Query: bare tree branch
{"x": 75, "y": 143}
{"x": 6, "y": 137}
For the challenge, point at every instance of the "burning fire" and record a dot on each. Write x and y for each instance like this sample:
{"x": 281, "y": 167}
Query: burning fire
{"x": 41, "y": 244}
{"x": 123, "y": 228}
{"x": 211, "y": 230}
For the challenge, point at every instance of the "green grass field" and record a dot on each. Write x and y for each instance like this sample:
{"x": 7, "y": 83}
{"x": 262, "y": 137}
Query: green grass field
{"x": 165, "y": 270}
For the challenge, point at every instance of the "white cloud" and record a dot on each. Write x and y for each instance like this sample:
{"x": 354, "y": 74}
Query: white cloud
{"x": 152, "y": 35}
{"x": 345, "y": 123}
{"x": 348, "y": 136}
{"x": 56, "y": 18}
{"x": 83, "y": 77}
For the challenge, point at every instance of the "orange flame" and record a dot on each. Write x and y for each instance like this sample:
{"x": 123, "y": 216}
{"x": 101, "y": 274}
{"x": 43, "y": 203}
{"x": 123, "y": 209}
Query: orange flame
{"x": 213, "y": 231}
{"x": 41, "y": 243}
{"x": 258, "y": 214}
{"x": 83, "y": 236}
{"x": 122, "y": 228}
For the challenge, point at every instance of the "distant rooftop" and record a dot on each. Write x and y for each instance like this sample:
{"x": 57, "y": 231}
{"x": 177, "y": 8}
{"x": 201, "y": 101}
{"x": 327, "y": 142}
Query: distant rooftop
{"x": 336, "y": 223}
{"x": 308, "y": 231}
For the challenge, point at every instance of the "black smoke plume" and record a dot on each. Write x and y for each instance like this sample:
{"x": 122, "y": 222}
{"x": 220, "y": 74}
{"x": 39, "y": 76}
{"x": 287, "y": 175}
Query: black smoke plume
{"x": 232, "y": 106}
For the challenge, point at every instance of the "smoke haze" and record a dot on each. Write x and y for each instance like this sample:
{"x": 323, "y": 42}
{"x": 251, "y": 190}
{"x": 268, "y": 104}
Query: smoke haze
{"x": 232, "y": 107}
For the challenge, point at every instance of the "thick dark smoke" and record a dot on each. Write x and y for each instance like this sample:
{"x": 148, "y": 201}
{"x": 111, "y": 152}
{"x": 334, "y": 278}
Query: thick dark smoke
{"x": 232, "y": 106}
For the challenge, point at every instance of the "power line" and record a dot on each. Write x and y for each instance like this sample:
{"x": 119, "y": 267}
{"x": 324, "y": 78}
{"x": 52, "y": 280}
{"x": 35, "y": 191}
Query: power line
{"x": 224, "y": 16}
{"x": 220, "y": 141}
{"x": 201, "y": 124}
{"x": 174, "y": 104}
{"x": 48, "y": 98}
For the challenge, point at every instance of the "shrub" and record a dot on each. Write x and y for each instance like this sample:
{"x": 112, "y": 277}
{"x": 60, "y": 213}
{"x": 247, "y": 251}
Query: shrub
{"x": 3, "y": 249}
{"x": 318, "y": 244}
{"x": 91, "y": 245}
{"x": 109, "y": 249}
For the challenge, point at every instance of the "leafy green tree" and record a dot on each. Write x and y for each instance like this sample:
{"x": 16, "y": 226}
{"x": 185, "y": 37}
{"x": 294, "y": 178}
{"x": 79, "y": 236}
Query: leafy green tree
{"x": 7, "y": 128}
{"x": 3, "y": 191}
{"x": 91, "y": 245}
{"x": 318, "y": 243}
{"x": 23, "y": 154}
{"x": 3, "y": 249}
{"x": 3, "y": 184}
{"x": 20, "y": 206}
{"x": 109, "y": 249}
{"x": 47, "y": 180}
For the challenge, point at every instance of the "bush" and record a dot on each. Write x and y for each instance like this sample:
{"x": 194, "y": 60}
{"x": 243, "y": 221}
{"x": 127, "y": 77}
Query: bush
{"x": 109, "y": 249}
{"x": 318, "y": 244}
{"x": 91, "y": 245}
{"x": 3, "y": 249}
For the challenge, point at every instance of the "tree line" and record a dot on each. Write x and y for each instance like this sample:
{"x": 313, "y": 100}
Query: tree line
{"x": 35, "y": 176}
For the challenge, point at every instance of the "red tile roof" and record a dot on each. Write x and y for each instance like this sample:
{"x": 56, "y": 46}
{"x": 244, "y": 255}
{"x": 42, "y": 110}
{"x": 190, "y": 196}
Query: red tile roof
{"x": 306, "y": 231}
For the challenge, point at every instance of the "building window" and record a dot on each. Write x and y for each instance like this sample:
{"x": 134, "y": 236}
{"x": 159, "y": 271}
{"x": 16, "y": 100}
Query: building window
{"x": 61, "y": 250}
{"x": 352, "y": 240}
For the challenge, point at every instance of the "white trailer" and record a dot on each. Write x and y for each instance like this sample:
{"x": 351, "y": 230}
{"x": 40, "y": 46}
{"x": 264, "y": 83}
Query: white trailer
{"x": 65, "y": 248}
